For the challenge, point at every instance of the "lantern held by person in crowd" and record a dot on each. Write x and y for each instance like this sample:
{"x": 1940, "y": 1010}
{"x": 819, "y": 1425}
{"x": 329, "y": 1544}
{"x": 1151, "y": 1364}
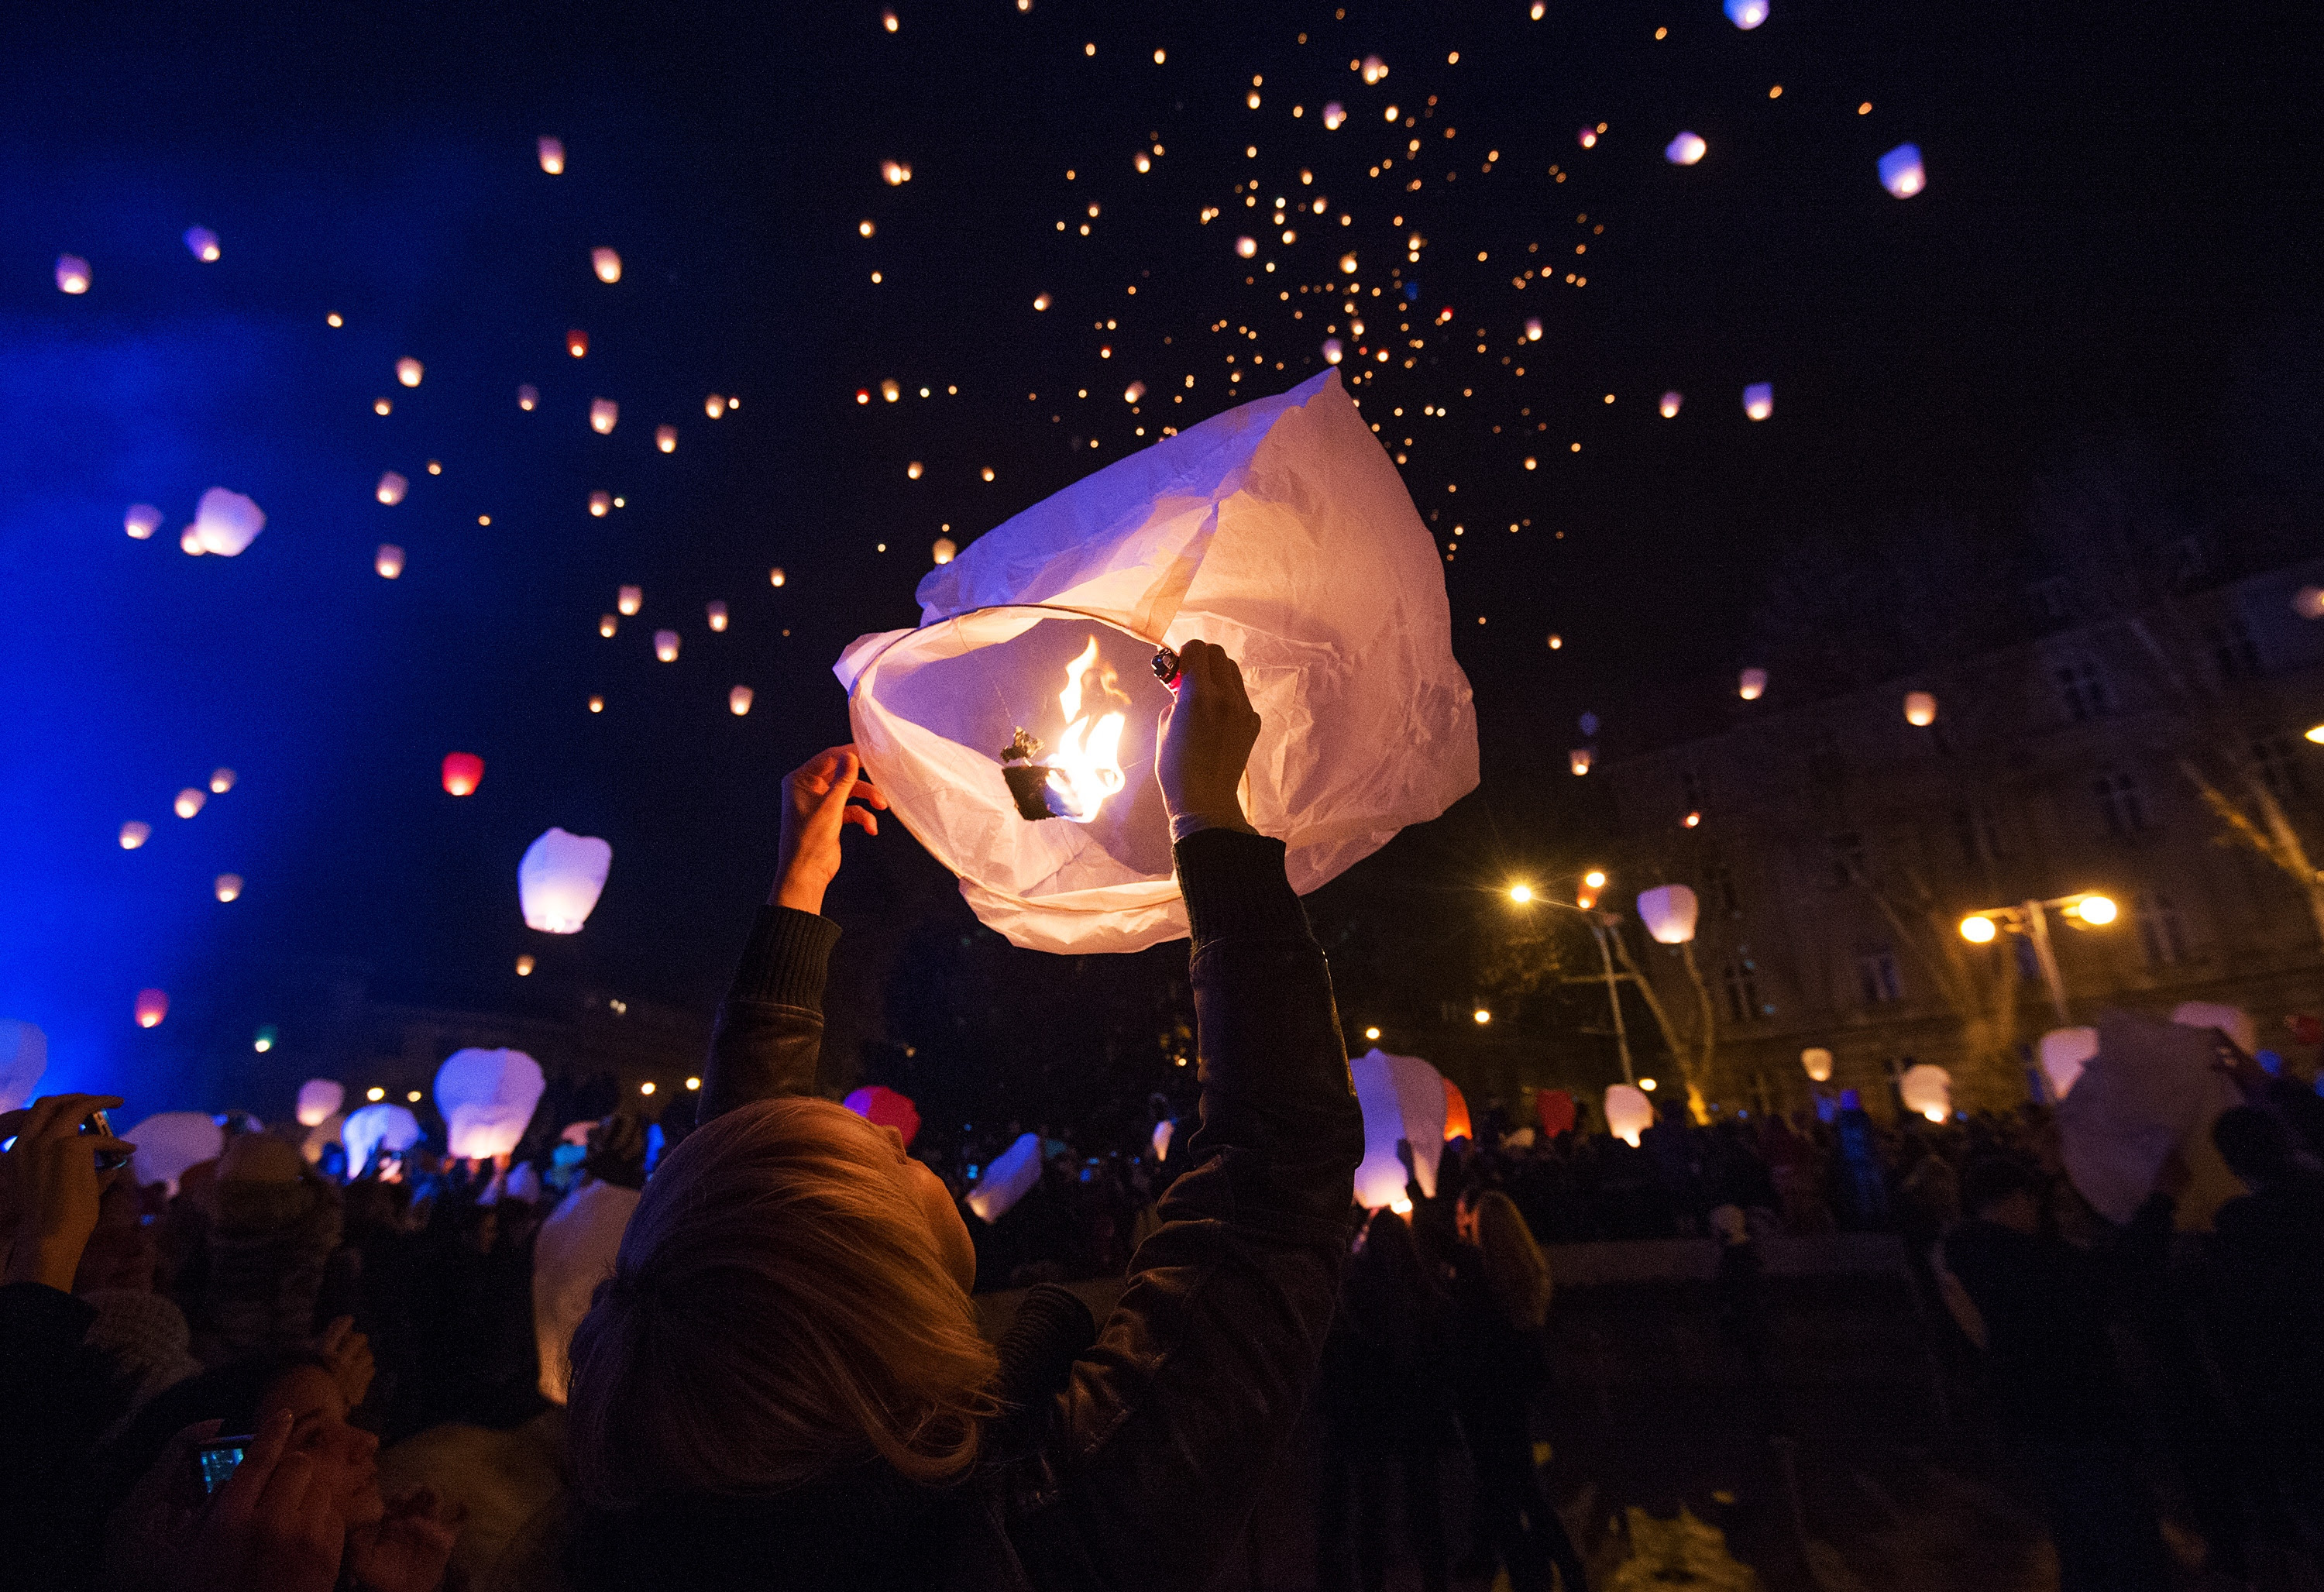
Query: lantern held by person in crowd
{"x": 2153, "y": 1088}
{"x": 1456, "y": 1114}
{"x": 1669, "y": 913}
{"x": 560, "y": 880}
{"x": 486, "y": 1098}
{"x": 1927, "y": 1089}
{"x": 225, "y": 522}
{"x": 169, "y": 1142}
{"x": 2230, "y": 1020}
{"x": 24, "y": 1057}
{"x": 2065, "y": 1052}
{"x": 1402, "y": 1098}
{"x": 1816, "y": 1062}
{"x": 322, "y": 1136}
{"x": 1279, "y": 526}
{"x": 1553, "y": 1109}
{"x": 374, "y": 1128}
{"x": 1009, "y": 1178}
{"x": 317, "y": 1098}
{"x": 883, "y": 1107}
{"x": 1164, "y": 1131}
{"x": 1628, "y": 1113}
{"x": 463, "y": 772}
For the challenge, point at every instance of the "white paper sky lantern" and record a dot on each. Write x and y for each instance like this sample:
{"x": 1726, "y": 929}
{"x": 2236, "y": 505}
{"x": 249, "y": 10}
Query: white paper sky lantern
{"x": 319, "y": 1098}
{"x": 943, "y": 550}
{"x": 775, "y": 575}
{"x": 1685, "y": 150}
{"x": 189, "y": 541}
{"x": 24, "y": 1057}
{"x": 665, "y": 645}
{"x": 1133, "y": 393}
{"x": 391, "y": 488}
{"x": 629, "y": 599}
{"x": 601, "y": 503}
{"x": 1348, "y": 266}
{"x": 1333, "y": 351}
{"x": 528, "y": 397}
{"x": 1900, "y": 170}
{"x": 604, "y": 414}
{"x": 1747, "y": 14}
{"x": 169, "y": 1142}
{"x": 2065, "y": 1052}
{"x": 1669, "y": 913}
{"x": 141, "y": 520}
{"x": 1628, "y": 1113}
{"x": 1533, "y": 329}
{"x": 134, "y": 834}
{"x": 1816, "y": 1062}
{"x": 715, "y": 612}
{"x": 666, "y": 438}
{"x": 1751, "y": 685}
{"x": 1578, "y": 760}
{"x": 221, "y": 781}
{"x": 227, "y": 886}
{"x": 1246, "y": 246}
{"x": 487, "y": 1098}
{"x": 151, "y": 1008}
{"x": 1401, "y": 1098}
{"x": 560, "y": 880}
{"x": 715, "y": 406}
{"x": 2231, "y": 1020}
{"x": 225, "y": 522}
{"x": 1920, "y": 709}
{"x": 738, "y": 700}
{"x": 607, "y": 264}
{"x": 552, "y": 155}
{"x": 2308, "y": 601}
{"x": 1009, "y": 1178}
{"x": 410, "y": 371}
{"x": 388, "y": 561}
{"x": 1759, "y": 399}
{"x": 72, "y": 274}
{"x": 1334, "y": 114}
{"x": 202, "y": 244}
{"x": 1672, "y": 401}
{"x": 1200, "y": 535}
{"x": 1927, "y": 1089}
{"x": 377, "y": 1127}
{"x": 190, "y": 801}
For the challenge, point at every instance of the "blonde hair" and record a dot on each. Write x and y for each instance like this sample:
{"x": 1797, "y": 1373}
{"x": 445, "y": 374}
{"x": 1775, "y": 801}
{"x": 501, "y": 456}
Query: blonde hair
{"x": 1516, "y": 1270}
{"x": 779, "y": 1309}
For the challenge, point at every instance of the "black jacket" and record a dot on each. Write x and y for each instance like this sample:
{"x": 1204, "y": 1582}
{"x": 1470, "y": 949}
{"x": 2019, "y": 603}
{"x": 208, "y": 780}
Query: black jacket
{"x": 1132, "y": 1460}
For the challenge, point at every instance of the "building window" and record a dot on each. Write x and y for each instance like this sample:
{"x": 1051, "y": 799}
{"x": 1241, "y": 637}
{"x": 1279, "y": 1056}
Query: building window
{"x": 2160, "y": 933}
{"x": 2279, "y": 767}
{"x": 2119, "y": 805}
{"x": 1846, "y": 858}
{"x": 2083, "y": 690}
{"x": 2233, "y": 650}
{"x": 1738, "y": 979}
{"x": 1719, "y": 890}
{"x": 1876, "y": 975}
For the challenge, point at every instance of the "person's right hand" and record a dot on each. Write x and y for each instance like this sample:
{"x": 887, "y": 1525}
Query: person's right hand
{"x": 1203, "y": 742}
{"x": 50, "y": 1187}
{"x": 815, "y": 808}
{"x": 273, "y": 1526}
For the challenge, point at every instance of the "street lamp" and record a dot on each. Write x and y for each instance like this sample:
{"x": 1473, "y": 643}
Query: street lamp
{"x": 1585, "y": 898}
{"x": 2032, "y": 919}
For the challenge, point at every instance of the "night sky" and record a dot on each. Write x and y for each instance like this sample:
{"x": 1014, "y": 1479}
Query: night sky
{"x": 2119, "y": 217}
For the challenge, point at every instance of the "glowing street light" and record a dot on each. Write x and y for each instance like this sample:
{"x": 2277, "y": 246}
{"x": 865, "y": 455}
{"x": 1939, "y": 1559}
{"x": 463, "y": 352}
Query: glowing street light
{"x": 1520, "y": 894}
{"x": 2032, "y": 919}
{"x": 1585, "y": 899}
{"x": 1482, "y": 1015}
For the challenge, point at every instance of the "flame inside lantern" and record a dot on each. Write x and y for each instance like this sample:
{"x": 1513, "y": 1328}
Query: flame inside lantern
{"x": 1085, "y": 767}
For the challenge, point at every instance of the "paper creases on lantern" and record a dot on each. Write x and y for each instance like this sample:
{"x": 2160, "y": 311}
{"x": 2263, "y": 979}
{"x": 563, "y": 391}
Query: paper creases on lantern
{"x": 560, "y": 880}
{"x": 486, "y": 1097}
{"x": 1402, "y": 1098}
{"x": 1280, "y": 531}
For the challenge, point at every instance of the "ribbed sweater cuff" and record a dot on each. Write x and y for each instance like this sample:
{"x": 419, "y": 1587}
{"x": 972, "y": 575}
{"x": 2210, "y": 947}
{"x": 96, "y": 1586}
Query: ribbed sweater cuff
{"x": 1235, "y": 885}
{"x": 786, "y": 959}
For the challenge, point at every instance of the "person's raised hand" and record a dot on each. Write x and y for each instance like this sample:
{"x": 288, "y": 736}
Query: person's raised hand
{"x": 1203, "y": 741}
{"x": 49, "y": 1186}
{"x": 816, "y": 805}
{"x": 408, "y": 1550}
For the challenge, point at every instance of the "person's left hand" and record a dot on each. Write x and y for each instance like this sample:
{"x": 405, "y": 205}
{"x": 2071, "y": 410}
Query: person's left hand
{"x": 349, "y": 1352}
{"x": 408, "y": 1550}
{"x": 49, "y": 1186}
{"x": 816, "y": 806}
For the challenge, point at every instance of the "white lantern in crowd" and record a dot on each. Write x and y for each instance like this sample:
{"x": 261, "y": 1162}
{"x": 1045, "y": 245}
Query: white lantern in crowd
{"x": 666, "y": 438}
{"x": 1685, "y": 150}
{"x": 1816, "y": 1062}
{"x": 1752, "y": 684}
{"x": 388, "y": 561}
{"x": 608, "y": 265}
{"x": 2231, "y": 1020}
{"x": 1759, "y": 399}
{"x": 604, "y": 414}
{"x": 1669, "y": 912}
{"x": 1672, "y": 402}
{"x": 488, "y": 1097}
{"x": 317, "y": 1098}
{"x": 322, "y": 1136}
{"x": 552, "y": 155}
{"x": 1927, "y": 1089}
{"x": 169, "y": 1142}
{"x": 629, "y": 600}
{"x": 738, "y": 700}
{"x": 1628, "y": 1113}
{"x": 1009, "y": 1178}
{"x": 391, "y": 488}
{"x": 665, "y": 645}
{"x": 943, "y": 550}
{"x": 1920, "y": 709}
{"x": 24, "y": 1057}
{"x": 410, "y": 371}
{"x": 560, "y": 880}
{"x": 141, "y": 520}
{"x": 377, "y": 1127}
{"x": 225, "y": 522}
{"x": 1900, "y": 170}
{"x": 2065, "y": 1052}
{"x": 72, "y": 274}
{"x": 1402, "y": 1098}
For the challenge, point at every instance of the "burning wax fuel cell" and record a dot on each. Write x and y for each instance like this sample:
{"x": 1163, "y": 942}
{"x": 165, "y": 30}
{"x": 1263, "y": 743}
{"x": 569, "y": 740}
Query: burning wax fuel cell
{"x": 1086, "y": 767}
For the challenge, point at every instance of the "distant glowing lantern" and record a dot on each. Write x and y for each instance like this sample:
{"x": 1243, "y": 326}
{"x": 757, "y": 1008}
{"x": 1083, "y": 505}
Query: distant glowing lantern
{"x": 134, "y": 834}
{"x": 604, "y": 414}
{"x": 1556, "y": 642}
{"x": 524, "y": 966}
{"x": 1628, "y": 1113}
{"x": 914, "y": 471}
{"x": 1759, "y": 399}
{"x": 665, "y": 645}
{"x": 1133, "y": 393}
{"x": 151, "y": 1006}
{"x": 1579, "y": 759}
{"x": 738, "y": 700}
{"x": 1375, "y": 69}
{"x": 1334, "y": 114}
{"x": 171, "y": 1143}
{"x": 895, "y": 174}
{"x": 1164, "y": 1131}
{"x": 1669, "y": 913}
{"x": 629, "y": 599}
{"x": 2065, "y": 1052}
{"x": 1685, "y": 150}
{"x": 1456, "y": 1114}
{"x": 410, "y": 371}
{"x": 1533, "y": 330}
{"x": 890, "y": 392}
{"x": 577, "y": 342}
{"x": 1900, "y": 170}
{"x": 1752, "y": 684}
{"x": 2308, "y": 602}
{"x": 716, "y": 614}
{"x": 715, "y": 406}
{"x": 597, "y": 705}
{"x": 527, "y": 398}
{"x": 227, "y": 886}
{"x": 1927, "y": 1089}
{"x": 601, "y": 503}
{"x": 1041, "y": 301}
{"x": 883, "y": 1107}
{"x": 1246, "y": 246}
{"x": 943, "y": 550}
{"x": 319, "y": 1098}
{"x": 607, "y": 264}
{"x": 225, "y": 522}
{"x": 1402, "y": 1098}
{"x": 1009, "y": 1178}
{"x": 560, "y": 880}
{"x": 203, "y": 243}
{"x": 552, "y": 156}
{"x": 1587, "y": 138}
{"x": 1816, "y": 1062}
{"x": 72, "y": 274}
{"x": 607, "y": 624}
{"x": 1671, "y": 403}
{"x": 666, "y": 438}
{"x": 1333, "y": 351}
{"x": 388, "y": 561}
{"x": 221, "y": 781}
{"x": 1348, "y": 263}
{"x": 488, "y": 1097}
{"x": 1747, "y": 14}
{"x": 391, "y": 488}
{"x": 463, "y": 772}
{"x": 141, "y": 520}
{"x": 189, "y": 541}
{"x": 374, "y": 1128}
{"x": 1553, "y": 1109}
{"x": 24, "y": 1057}
{"x": 190, "y": 801}
{"x": 1920, "y": 709}
{"x": 775, "y": 575}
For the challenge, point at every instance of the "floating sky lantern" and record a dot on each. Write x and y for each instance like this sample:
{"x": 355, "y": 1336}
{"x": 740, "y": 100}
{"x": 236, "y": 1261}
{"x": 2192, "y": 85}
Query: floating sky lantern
{"x": 150, "y": 1006}
{"x": 221, "y": 781}
{"x": 371, "y": 1129}
{"x": 552, "y": 156}
{"x": 1333, "y": 352}
{"x": 895, "y": 174}
{"x": 666, "y": 438}
{"x": 2065, "y": 1052}
{"x": 171, "y": 1143}
{"x": 891, "y": 391}
{"x": 524, "y": 966}
{"x": 227, "y": 886}
{"x": 527, "y": 398}
{"x": 1246, "y": 245}
{"x": 738, "y": 700}
{"x": 1374, "y": 70}
{"x": 225, "y": 522}
{"x": 24, "y": 1057}
{"x": 1759, "y": 399}
{"x": 1816, "y": 1062}
{"x": 665, "y": 645}
{"x": 601, "y": 503}
{"x": 1927, "y": 1089}
{"x": 463, "y": 772}
{"x": 1669, "y": 913}
{"x": 391, "y": 488}
{"x": 1587, "y": 138}
{"x": 1009, "y": 1178}
{"x": 883, "y": 1107}
{"x": 134, "y": 834}
{"x": 142, "y": 521}
{"x": 1685, "y": 149}
{"x": 190, "y": 801}
{"x": 1920, "y": 709}
{"x": 1335, "y": 113}
{"x": 388, "y": 561}
{"x": 1751, "y": 685}
{"x": 488, "y": 1097}
{"x": 604, "y": 414}
{"x": 607, "y": 624}
{"x": 715, "y": 612}
{"x": 1628, "y": 1113}
{"x": 72, "y": 274}
{"x": 2308, "y": 602}
{"x": 560, "y": 879}
{"x": 1348, "y": 267}
{"x": 715, "y": 406}
{"x": 943, "y": 550}
{"x": 203, "y": 243}
{"x": 1747, "y": 14}
{"x": 597, "y": 705}
{"x": 189, "y": 541}
{"x": 607, "y": 264}
{"x": 1672, "y": 401}
{"x": 1556, "y": 642}
{"x": 914, "y": 470}
{"x": 1402, "y": 1098}
{"x": 319, "y": 1098}
{"x": 577, "y": 342}
{"x": 775, "y": 575}
{"x": 1900, "y": 170}
{"x": 1579, "y": 759}
{"x": 1533, "y": 330}
{"x": 1133, "y": 393}
{"x": 410, "y": 371}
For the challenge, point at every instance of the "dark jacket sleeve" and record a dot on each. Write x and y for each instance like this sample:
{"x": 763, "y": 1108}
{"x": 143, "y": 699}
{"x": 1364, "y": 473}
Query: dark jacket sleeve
{"x": 1156, "y": 1451}
{"x": 55, "y": 1397}
{"x": 770, "y": 1031}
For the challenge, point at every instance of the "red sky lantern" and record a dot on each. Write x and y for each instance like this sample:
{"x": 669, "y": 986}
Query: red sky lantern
{"x": 576, "y": 342}
{"x": 463, "y": 772}
{"x": 884, "y": 1107}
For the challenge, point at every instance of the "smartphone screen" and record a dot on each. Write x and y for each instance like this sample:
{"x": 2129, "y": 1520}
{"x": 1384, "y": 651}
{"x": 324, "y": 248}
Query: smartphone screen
{"x": 217, "y": 1460}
